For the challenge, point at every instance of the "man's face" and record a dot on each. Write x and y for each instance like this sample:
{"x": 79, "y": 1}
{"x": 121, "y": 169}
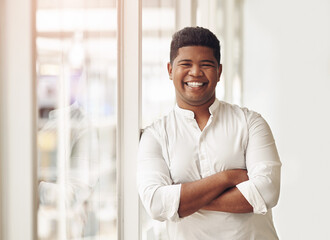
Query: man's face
{"x": 195, "y": 73}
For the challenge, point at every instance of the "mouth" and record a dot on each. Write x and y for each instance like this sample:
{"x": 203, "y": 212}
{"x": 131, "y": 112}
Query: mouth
{"x": 195, "y": 84}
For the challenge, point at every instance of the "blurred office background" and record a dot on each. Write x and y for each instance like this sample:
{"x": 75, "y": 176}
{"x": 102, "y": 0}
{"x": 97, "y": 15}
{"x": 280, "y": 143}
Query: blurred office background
{"x": 80, "y": 78}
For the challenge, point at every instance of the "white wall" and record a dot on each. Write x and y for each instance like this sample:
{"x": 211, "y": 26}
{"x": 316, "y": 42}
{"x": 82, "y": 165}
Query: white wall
{"x": 287, "y": 79}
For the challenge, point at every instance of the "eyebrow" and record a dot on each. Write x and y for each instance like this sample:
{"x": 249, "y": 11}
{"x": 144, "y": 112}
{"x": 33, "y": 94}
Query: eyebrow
{"x": 188, "y": 60}
{"x": 209, "y": 61}
{"x": 185, "y": 60}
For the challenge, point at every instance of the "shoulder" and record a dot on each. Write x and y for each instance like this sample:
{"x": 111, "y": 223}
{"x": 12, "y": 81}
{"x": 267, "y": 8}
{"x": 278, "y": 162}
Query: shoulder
{"x": 237, "y": 111}
{"x": 159, "y": 126}
{"x": 244, "y": 115}
{"x": 256, "y": 126}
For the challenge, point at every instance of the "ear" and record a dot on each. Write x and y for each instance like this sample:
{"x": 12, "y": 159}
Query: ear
{"x": 169, "y": 70}
{"x": 219, "y": 71}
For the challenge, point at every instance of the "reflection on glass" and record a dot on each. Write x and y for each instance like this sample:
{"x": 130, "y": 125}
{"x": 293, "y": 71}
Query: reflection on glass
{"x": 77, "y": 85}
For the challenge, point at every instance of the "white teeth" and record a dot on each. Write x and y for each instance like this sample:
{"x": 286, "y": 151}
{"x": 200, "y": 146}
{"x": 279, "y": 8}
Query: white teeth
{"x": 194, "y": 84}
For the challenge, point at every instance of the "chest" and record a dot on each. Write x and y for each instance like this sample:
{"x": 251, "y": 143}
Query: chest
{"x": 194, "y": 154}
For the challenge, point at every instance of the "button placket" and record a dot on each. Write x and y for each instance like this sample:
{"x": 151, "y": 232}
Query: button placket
{"x": 203, "y": 157}
{"x": 204, "y": 163}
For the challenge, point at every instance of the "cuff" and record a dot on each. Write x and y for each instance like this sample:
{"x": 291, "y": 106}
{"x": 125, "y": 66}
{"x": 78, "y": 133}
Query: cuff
{"x": 250, "y": 192}
{"x": 172, "y": 201}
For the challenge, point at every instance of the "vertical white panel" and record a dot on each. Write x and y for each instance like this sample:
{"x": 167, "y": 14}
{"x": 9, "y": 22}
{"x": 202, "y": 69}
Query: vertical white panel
{"x": 63, "y": 155}
{"x": 208, "y": 14}
{"x": 213, "y": 17}
{"x": 2, "y": 102}
{"x": 185, "y": 13}
{"x": 228, "y": 70}
{"x": 18, "y": 158}
{"x": 129, "y": 75}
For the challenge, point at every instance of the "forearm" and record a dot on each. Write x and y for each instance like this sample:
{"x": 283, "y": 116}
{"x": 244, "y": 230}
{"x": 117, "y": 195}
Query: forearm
{"x": 196, "y": 195}
{"x": 231, "y": 201}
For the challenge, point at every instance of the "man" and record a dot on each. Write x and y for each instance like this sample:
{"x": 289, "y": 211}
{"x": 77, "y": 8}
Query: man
{"x": 209, "y": 168}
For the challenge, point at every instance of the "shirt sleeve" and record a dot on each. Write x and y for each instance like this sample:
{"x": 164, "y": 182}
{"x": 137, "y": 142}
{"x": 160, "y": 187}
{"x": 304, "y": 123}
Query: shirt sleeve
{"x": 158, "y": 194}
{"x": 263, "y": 166}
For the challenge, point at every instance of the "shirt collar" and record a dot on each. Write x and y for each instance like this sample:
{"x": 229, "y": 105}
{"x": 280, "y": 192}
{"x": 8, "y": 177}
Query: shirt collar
{"x": 214, "y": 106}
{"x": 190, "y": 114}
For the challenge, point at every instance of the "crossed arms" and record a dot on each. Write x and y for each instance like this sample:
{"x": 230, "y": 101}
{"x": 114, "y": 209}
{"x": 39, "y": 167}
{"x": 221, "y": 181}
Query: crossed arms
{"x": 216, "y": 192}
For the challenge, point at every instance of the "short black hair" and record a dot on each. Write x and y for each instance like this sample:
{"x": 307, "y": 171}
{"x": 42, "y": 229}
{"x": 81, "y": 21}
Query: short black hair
{"x": 194, "y": 36}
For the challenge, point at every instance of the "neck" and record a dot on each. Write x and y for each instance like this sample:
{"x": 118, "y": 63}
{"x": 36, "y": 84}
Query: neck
{"x": 201, "y": 112}
{"x": 197, "y": 109}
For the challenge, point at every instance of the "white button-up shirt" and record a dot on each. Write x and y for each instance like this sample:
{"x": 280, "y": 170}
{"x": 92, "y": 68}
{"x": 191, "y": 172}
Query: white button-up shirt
{"x": 174, "y": 150}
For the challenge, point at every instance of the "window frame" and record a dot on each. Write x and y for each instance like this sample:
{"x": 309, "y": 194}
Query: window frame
{"x": 129, "y": 115}
{"x": 18, "y": 183}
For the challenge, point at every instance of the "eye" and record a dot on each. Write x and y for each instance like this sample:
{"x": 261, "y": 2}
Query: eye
{"x": 207, "y": 65}
{"x": 185, "y": 64}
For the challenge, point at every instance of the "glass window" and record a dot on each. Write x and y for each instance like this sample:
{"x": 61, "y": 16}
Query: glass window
{"x": 77, "y": 98}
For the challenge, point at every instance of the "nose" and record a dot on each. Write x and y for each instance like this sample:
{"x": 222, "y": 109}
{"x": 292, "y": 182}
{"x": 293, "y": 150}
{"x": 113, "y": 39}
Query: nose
{"x": 195, "y": 71}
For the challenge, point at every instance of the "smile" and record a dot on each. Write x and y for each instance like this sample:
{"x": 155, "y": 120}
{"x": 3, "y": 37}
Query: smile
{"x": 195, "y": 84}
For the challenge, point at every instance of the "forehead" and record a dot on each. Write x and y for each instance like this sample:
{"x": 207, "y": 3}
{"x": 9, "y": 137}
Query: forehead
{"x": 195, "y": 53}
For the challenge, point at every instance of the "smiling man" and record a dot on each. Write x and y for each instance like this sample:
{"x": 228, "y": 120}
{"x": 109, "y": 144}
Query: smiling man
{"x": 208, "y": 168}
